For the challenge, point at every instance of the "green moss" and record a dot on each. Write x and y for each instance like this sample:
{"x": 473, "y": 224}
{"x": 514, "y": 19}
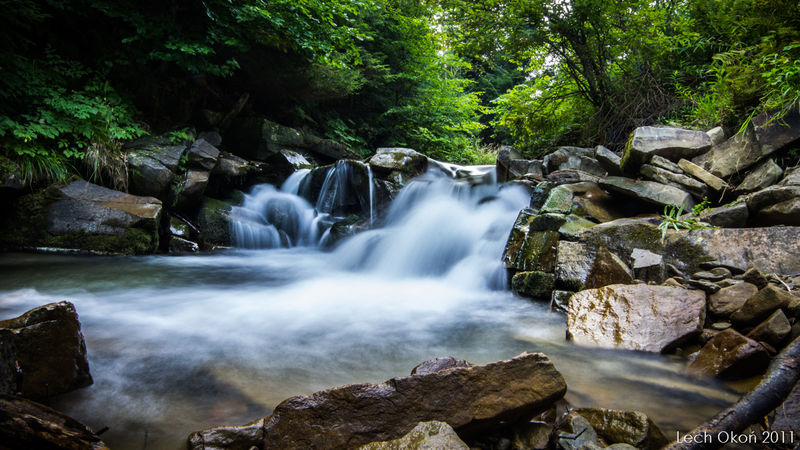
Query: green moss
{"x": 538, "y": 252}
{"x": 535, "y": 284}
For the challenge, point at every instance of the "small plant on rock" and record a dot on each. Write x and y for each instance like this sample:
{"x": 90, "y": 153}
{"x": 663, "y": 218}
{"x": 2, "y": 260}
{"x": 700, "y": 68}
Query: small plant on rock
{"x": 672, "y": 219}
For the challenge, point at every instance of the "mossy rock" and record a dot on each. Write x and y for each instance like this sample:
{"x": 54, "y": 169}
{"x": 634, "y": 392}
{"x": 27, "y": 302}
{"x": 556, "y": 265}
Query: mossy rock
{"x": 214, "y": 222}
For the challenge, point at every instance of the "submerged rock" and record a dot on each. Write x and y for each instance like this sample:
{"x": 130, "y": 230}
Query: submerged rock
{"x": 466, "y": 398}
{"x": 42, "y": 352}
{"x": 28, "y": 425}
{"x": 431, "y": 435}
{"x": 636, "y": 317}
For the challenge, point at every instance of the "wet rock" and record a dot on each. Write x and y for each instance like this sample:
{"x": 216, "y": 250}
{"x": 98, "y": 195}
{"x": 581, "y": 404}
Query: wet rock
{"x": 729, "y": 299}
{"x": 574, "y": 226}
{"x": 438, "y": 365}
{"x": 579, "y": 435}
{"x": 530, "y": 250}
{"x": 214, "y": 222}
{"x": 773, "y": 330}
{"x": 28, "y": 425}
{"x": 547, "y": 222}
{"x": 732, "y": 156}
{"x": 727, "y": 216}
{"x": 740, "y": 248}
{"x": 761, "y": 305}
{"x": 425, "y": 436}
{"x": 559, "y": 201}
{"x": 635, "y": 317}
{"x": 244, "y": 437}
{"x": 46, "y": 350}
{"x": 576, "y": 158}
{"x": 675, "y": 180}
{"x": 755, "y": 277}
{"x": 762, "y": 177}
{"x": 559, "y": 301}
{"x": 180, "y": 228}
{"x": 405, "y": 160}
{"x": 465, "y": 397}
{"x": 647, "y": 266}
{"x": 540, "y": 194}
{"x": 593, "y": 202}
{"x": 230, "y": 165}
{"x": 181, "y": 245}
{"x": 671, "y": 143}
{"x": 627, "y": 427}
{"x": 609, "y": 161}
{"x": 703, "y": 175}
{"x": 579, "y": 267}
{"x": 649, "y": 191}
{"x": 202, "y": 156}
{"x": 533, "y": 284}
{"x": 191, "y": 191}
{"x": 503, "y": 165}
{"x": 730, "y": 355}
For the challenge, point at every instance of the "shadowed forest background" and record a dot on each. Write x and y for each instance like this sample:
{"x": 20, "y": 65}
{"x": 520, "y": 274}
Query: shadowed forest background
{"x": 453, "y": 79}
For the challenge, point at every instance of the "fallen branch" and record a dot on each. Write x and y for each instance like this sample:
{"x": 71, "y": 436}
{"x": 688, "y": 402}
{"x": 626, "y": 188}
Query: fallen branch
{"x": 782, "y": 374}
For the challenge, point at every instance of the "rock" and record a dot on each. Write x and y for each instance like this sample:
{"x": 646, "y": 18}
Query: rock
{"x": 181, "y": 245}
{"x": 676, "y": 180}
{"x": 783, "y": 213}
{"x": 704, "y": 285}
{"x": 608, "y": 160}
{"x": 726, "y": 216}
{"x": 574, "y": 226}
{"x": 438, "y": 365}
{"x": 28, "y": 425}
{"x": 719, "y": 326}
{"x": 627, "y": 427}
{"x": 533, "y": 284}
{"x": 762, "y": 177}
{"x": 729, "y": 299}
{"x": 635, "y": 317}
{"x": 11, "y": 177}
{"x": 214, "y": 222}
{"x": 244, "y": 437}
{"x": 467, "y": 398}
{"x": 715, "y": 274}
{"x": 593, "y": 202}
{"x": 761, "y": 305}
{"x": 649, "y": 191}
{"x": 202, "y": 156}
{"x": 755, "y": 277}
{"x": 532, "y": 436}
{"x": 152, "y": 163}
{"x": 774, "y": 134}
{"x": 559, "y": 201}
{"x": 773, "y": 330}
{"x": 674, "y": 281}
{"x": 503, "y": 164}
{"x": 88, "y": 217}
{"x": 787, "y": 416}
{"x": 431, "y": 435}
{"x": 771, "y": 196}
{"x": 212, "y": 137}
{"x": 671, "y": 143}
{"x": 740, "y": 248}
{"x": 579, "y": 435}
{"x": 259, "y": 139}
{"x": 180, "y": 228}
{"x": 571, "y": 176}
{"x": 191, "y": 191}
{"x": 230, "y": 165}
{"x": 540, "y": 194}
{"x": 791, "y": 177}
{"x": 576, "y": 158}
{"x": 732, "y": 156}
{"x": 648, "y": 266}
{"x": 547, "y": 222}
{"x": 559, "y": 301}
{"x": 580, "y": 267}
{"x": 530, "y": 250}
{"x": 405, "y": 160}
{"x": 730, "y": 355}
{"x": 665, "y": 164}
{"x": 46, "y": 350}
{"x": 717, "y": 135}
{"x": 703, "y": 175}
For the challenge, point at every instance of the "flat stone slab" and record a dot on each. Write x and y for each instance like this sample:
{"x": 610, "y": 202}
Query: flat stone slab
{"x": 649, "y": 191}
{"x": 770, "y": 249}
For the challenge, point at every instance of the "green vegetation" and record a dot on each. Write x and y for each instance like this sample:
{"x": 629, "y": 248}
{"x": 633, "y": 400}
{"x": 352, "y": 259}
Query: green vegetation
{"x": 672, "y": 218}
{"x": 450, "y": 78}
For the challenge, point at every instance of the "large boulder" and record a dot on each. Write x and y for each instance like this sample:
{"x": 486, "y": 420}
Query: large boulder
{"x": 29, "y": 425}
{"x": 649, "y": 191}
{"x": 84, "y": 216}
{"x": 406, "y": 161}
{"x": 730, "y": 355}
{"x": 740, "y": 248}
{"x": 579, "y": 266}
{"x": 671, "y": 143}
{"x": 636, "y": 317}
{"x": 469, "y": 399}
{"x": 431, "y": 435}
{"x": 42, "y": 352}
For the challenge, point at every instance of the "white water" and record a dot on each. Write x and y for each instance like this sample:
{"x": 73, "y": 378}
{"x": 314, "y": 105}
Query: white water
{"x": 178, "y": 344}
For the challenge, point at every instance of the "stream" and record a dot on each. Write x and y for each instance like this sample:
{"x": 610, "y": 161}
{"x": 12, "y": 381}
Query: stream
{"x": 181, "y": 343}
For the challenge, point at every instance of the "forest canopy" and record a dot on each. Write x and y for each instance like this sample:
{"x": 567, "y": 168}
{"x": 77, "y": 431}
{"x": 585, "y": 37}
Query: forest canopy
{"x": 451, "y": 78}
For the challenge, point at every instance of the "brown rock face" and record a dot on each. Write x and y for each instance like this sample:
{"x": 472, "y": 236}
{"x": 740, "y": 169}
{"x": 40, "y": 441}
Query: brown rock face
{"x": 730, "y": 355}
{"x": 47, "y": 345}
{"x": 635, "y": 317}
{"x": 761, "y": 305}
{"x": 628, "y": 427}
{"x": 26, "y": 424}
{"x": 773, "y": 330}
{"x": 729, "y": 299}
{"x": 739, "y": 248}
{"x": 469, "y": 399}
